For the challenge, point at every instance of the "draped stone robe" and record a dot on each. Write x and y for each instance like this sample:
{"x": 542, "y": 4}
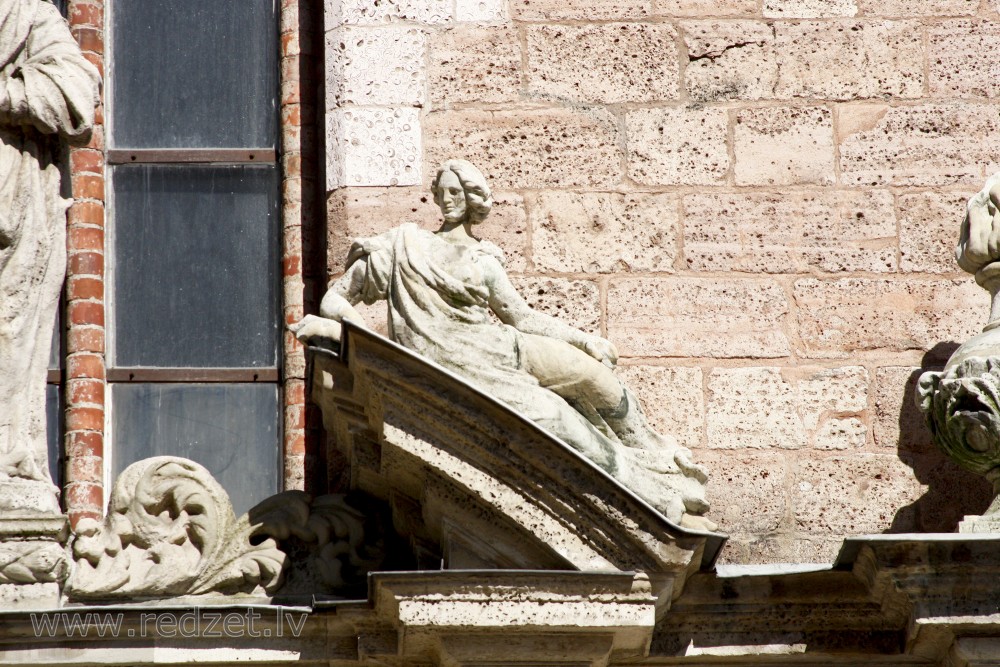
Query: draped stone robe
{"x": 48, "y": 92}
{"x": 438, "y": 301}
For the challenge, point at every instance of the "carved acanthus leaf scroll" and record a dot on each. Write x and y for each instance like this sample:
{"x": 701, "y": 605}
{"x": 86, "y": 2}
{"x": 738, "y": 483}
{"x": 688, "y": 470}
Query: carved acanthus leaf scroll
{"x": 171, "y": 531}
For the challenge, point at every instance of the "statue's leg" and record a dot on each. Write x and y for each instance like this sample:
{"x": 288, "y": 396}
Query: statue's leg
{"x": 653, "y": 463}
{"x": 579, "y": 378}
{"x": 571, "y": 373}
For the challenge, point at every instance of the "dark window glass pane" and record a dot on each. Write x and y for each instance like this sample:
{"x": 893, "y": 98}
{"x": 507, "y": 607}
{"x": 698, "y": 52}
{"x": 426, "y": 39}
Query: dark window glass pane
{"x": 53, "y": 430}
{"x": 230, "y": 429}
{"x": 196, "y": 265}
{"x": 194, "y": 74}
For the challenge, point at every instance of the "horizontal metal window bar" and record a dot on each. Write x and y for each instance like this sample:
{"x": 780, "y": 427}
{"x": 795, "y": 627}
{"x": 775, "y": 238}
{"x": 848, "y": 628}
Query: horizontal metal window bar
{"x": 188, "y": 155}
{"x": 192, "y": 375}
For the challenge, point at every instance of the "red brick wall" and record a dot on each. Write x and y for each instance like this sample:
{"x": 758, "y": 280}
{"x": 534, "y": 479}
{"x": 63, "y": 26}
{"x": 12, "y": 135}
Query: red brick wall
{"x": 303, "y": 257}
{"x": 85, "y": 336}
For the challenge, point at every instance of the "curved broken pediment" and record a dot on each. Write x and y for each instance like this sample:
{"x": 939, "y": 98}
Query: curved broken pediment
{"x": 468, "y": 475}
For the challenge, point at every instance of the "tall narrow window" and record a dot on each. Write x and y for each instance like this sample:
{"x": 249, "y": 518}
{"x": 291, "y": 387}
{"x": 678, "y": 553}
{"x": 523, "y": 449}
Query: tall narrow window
{"x": 194, "y": 265}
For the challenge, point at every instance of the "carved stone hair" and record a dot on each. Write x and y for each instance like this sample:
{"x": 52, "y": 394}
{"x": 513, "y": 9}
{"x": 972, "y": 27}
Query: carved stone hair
{"x": 478, "y": 197}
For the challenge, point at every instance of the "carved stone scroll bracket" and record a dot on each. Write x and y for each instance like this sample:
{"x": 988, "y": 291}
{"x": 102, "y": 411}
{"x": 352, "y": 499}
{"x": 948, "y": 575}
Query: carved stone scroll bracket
{"x": 170, "y": 531}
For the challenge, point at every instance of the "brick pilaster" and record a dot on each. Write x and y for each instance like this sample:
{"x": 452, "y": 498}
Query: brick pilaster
{"x": 303, "y": 263}
{"x": 85, "y": 379}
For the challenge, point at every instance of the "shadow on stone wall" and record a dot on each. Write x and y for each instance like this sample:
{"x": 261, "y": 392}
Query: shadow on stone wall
{"x": 952, "y": 492}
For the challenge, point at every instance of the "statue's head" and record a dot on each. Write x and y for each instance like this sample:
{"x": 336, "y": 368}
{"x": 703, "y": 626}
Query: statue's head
{"x": 460, "y": 190}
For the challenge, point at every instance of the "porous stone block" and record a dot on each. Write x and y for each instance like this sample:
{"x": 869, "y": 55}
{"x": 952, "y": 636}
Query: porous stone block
{"x": 790, "y": 232}
{"x": 730, "y": 60}
{"x": 471, "y": 64}
{"x": 609, "y": 62}
{"x": 753, "y": 408}
{"x": 694, "y": 317}
{"x": 849, "y": 60}
{"x": 375, "y": 66}
{"x": 921, "y": 145}
{"x": 376, "y": 316}
{"x": 847, "y": 433}
{"x": 953, "y": 493}
{"x": 780, "y": 548}
{"x": 957, "y": 64}
{"x": 366, "y": 12}
{"x": 685, "y": 146}
{"x": 784, "y": 146}
{"x": 898, "y": 423}
{"x": 574, "y": 302}
{"x": 673, "y": 400}
{"x": 354, "y": 213}
{"x": 830, "y": 393}
{"x": 705, "y": 7}
{"x": 929, "y": 223}
{"x": 908, "y": 8}
{"x": 809, "y": 9}
{"x": 837, "y": 60}
{"x": 747, "y": 491}
{"x": 852, "y": 494}
{"x": 372, "y": 147}
{"x": 535, "y": 148}
{"x": 791, "y": 408}
{"x": 481, "y": 11}
{"x": 839, "y": 318}
{"x": 598, "y": 232}
{"x": 560, "y": 10}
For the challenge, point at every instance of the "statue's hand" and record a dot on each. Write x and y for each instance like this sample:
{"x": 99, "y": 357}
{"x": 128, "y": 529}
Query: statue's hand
{"x": 602, "y": 350}
{"x": 337, "y": 308}
{"x": 312, "y": 330}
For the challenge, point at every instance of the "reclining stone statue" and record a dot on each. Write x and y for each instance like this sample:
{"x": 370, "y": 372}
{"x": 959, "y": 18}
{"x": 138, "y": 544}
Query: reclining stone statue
{"x": 442, "y": 290}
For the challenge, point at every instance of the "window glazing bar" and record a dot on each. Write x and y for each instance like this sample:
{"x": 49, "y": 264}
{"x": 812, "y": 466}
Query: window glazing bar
{"x": 190, "y": 155}
{"x": 192, "y": 375}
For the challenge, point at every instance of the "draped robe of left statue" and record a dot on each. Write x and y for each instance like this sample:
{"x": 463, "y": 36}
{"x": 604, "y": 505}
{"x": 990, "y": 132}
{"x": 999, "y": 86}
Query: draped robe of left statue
{"x": 48, "y": 94}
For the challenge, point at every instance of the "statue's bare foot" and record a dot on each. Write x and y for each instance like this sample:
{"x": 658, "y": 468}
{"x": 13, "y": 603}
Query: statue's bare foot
{"x": 695, "y": 522}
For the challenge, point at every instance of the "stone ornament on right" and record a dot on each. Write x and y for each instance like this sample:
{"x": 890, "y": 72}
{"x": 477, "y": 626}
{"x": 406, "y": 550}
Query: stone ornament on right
{"x": 962, "y": 402}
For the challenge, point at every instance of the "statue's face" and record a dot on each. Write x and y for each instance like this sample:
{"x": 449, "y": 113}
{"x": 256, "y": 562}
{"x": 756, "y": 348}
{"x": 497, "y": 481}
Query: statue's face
{"x": 451, "y": 197}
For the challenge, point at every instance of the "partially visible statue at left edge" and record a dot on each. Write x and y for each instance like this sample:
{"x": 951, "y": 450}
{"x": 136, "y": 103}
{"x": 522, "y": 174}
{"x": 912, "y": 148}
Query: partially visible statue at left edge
{"x": 48, "y": 93}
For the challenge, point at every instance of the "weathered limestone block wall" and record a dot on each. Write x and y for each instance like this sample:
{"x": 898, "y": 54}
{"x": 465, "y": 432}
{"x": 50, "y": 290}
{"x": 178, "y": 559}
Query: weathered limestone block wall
{"x": 756, "y": 200}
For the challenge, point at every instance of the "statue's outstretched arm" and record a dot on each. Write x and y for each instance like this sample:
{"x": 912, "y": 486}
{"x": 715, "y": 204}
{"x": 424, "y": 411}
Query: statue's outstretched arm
{"x": 343, "y": 294}
{"x": 54, "y": 89}
{"x": 337, "y": 305}
{"x": 512, "y": 309}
